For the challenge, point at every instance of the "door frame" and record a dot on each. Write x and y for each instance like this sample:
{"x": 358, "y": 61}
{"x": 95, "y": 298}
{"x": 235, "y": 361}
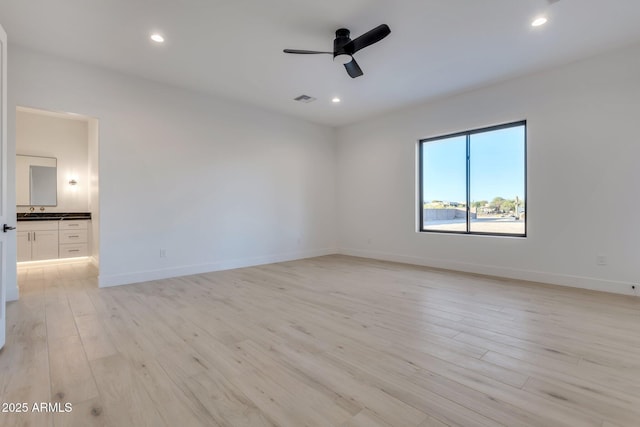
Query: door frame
{"x": 4, "y": 237}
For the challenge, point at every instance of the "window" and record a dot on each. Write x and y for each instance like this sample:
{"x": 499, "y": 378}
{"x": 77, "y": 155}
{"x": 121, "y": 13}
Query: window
{"x": 474, "y": 182}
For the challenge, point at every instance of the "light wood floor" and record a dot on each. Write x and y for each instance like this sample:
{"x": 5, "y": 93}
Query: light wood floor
{"x": 330, "y": 341}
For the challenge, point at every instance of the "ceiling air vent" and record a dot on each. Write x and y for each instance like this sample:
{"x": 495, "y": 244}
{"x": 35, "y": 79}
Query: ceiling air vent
{"x": 304, "y": 98}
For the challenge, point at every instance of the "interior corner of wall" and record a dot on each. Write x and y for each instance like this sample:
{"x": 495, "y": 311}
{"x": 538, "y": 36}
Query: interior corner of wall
{"x": 95, "y": 261}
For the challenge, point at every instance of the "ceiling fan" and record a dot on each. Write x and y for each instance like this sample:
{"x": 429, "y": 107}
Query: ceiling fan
{"x": 344, "y": 47}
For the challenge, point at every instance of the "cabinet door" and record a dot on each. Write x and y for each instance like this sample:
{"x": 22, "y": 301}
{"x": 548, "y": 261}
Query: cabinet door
{"x": 44, "y": 245}
{"x": 24, "y": 246}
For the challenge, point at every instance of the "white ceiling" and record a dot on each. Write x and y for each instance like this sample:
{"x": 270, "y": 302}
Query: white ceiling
{"x": 233, "y": 48}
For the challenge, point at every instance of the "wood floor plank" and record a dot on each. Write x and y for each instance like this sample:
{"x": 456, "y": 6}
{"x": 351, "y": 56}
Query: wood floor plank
{"x": 366, "y": 418}
{"x": 589, "y": 401}
{"x": 307, "y": 391}
{"x": 24, "y": 366}
{"x": 232, "y": 407}
{"x": 397, "y": 376}
{"x": 345, "y": 384}
{"x": 95, "y": 338}
{"x": 278, "y": 402}
{"x": 433, "y": 422}
{"x": 71, "y": 377}
{"x": 517, "y": 352}
{"x": 60, "y": 321}
{"x": 80, "y": 303}
{"x": 126, "y": 401}
{"x": 174, "y": 407}
{"x": 83, "y": 414}
{"x": 625, "y": 391}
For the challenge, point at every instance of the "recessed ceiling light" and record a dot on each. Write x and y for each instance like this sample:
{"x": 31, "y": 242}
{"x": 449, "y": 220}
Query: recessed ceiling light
{"x": 335, "y": 100}
{"x": 541, "y": 20}
{"x": 157, "y": 38}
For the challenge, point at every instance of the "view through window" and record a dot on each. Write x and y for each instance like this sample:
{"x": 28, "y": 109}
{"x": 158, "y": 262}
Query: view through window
{"x": 474, "y": 182}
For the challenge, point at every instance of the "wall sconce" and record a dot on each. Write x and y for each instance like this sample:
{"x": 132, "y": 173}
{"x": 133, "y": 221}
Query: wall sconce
{"x": 73, "y": 182}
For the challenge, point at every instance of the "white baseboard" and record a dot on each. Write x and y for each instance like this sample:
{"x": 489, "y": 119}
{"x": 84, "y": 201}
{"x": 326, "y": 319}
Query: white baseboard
{"x": 12, "y": 293}
{"x": 573, "y": 281}
{"x": 145, "y": 276}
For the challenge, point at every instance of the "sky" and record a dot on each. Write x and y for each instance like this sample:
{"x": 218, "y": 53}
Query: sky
{"x": 497, "y": 166}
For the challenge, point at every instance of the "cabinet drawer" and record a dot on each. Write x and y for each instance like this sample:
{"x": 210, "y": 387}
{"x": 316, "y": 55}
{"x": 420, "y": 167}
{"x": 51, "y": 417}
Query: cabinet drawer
{"x": 73, "y": 250}
{"x": 73, "y": 225}
{"x": 73, "y": 236}
{"x": 37, "y": 225}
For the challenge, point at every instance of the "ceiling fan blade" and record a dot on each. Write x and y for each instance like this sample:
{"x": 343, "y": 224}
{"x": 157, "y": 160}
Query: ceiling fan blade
{"x": 305, "y": 52}
{"x": 368, "y": 38}
{"x": 353, "y": 69}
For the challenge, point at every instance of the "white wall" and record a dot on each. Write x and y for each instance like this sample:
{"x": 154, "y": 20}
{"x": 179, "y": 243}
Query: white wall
{"x": 583, "y": 177}
{"x": 216, "y": 183}
{"x": 66, "y": 140}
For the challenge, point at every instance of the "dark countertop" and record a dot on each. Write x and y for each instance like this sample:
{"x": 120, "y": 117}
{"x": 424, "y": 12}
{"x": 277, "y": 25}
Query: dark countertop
{"x": 52, "y": 216}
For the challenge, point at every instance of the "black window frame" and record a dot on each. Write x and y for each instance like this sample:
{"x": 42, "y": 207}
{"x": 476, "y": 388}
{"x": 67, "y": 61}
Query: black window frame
{"x": 468, "y": 134}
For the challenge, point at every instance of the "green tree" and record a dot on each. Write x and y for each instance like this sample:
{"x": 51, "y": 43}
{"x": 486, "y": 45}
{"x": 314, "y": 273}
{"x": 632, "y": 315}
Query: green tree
{"x": 508, "y": 206}
{"x": 497, "y": 202}
{"x": 479, "y": 204}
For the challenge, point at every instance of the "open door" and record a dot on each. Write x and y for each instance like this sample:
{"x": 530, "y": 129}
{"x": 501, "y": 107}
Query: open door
{"x": 3, "y": 185}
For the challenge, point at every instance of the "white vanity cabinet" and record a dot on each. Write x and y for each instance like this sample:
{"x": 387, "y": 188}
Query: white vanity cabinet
{"x": 40, "y": 240}
{"x": 37, "y": 240}
{"x": 73, "y": 238}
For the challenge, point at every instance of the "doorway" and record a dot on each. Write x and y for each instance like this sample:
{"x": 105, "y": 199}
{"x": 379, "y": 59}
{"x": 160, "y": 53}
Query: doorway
{"x": 57, "y": 192}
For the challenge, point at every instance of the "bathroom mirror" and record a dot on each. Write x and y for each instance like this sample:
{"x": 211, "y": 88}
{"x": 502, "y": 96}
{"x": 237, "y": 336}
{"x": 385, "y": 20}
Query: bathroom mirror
{"x": 36, "y": 181}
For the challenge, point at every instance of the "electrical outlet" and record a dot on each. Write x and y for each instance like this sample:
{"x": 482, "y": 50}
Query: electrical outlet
{"x": 163, "y": 253}
{"x": 601, "y": 260}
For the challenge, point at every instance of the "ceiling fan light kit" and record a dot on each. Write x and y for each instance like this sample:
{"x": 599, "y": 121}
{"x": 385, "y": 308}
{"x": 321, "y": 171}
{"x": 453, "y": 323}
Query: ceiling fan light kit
{"x": 342, "y": 58}
{"x": 344, "y": 47}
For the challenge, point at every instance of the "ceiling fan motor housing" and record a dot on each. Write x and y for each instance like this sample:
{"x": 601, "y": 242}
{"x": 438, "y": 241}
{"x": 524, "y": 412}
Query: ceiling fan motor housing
{"x": 342, "y": 38}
